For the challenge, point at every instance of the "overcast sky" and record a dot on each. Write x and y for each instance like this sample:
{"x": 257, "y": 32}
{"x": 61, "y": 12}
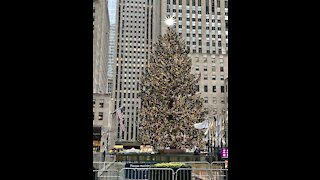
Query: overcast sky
{"x": 112, "y": 11}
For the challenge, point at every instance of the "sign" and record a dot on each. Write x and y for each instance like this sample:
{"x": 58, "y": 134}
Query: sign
{"x": 137, "y": 173}
{"x": 118, "y": 146}
{"x": 224, "y": 153}
{"x": 96, "y": 143}
{"x": 139, "y": 165}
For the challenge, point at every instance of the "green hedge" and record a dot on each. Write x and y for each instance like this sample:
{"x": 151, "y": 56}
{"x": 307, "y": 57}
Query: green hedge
{"x": 174, "y": 165}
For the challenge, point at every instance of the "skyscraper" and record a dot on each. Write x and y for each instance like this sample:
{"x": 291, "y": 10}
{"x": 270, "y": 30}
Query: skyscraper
{"x": 100, "y": 45}
{"x": 137, "y": 28}
{"x": 102, "y": 125}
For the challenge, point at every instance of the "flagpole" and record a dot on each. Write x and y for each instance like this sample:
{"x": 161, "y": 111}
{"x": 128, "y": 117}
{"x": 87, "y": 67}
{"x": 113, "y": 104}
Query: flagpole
{"x": 116, "y": 109}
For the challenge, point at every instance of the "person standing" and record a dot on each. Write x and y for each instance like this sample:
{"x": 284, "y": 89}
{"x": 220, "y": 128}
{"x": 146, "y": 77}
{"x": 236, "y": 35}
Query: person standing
{"x": 104, "y": 155}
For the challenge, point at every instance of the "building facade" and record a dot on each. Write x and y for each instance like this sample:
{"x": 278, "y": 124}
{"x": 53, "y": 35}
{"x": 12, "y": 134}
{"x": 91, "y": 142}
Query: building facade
{"x": 103, "y": 126}
{"x": 103, "y": 129}
{"x": 137, "y": 27}
{"x": 100, "y": 45}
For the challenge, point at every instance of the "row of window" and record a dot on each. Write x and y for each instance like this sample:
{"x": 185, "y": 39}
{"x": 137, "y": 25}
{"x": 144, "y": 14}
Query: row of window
{"x": 194, "y": 11}
{"x": 205, "y": 68}
{"x": 101, "y": 103}
{"x": 174, "y": 2}
{"x": 214, "y": 89}
{"x": 132, "y": 22}
{"x": 140, "y": 2}
{"x": 206, "y": 60}
{"x": 208, "y": 51}
{"x": 214, "y": 100}
{"x": 207, "y": 43}
{"x": 199, "y": 27}
{"x": 100, "y": 116}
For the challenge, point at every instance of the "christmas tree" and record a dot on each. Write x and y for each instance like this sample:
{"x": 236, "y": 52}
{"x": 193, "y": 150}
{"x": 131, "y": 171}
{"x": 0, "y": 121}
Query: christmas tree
{"x": 170, "y": 105}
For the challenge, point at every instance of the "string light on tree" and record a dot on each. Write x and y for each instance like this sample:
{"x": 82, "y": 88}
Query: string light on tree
{"x": 169, "y": 104}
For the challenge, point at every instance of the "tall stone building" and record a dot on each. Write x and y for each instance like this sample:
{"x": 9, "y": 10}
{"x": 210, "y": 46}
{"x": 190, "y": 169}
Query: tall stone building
{"x": 137, "y": 27}
{"x": 103, "y": 129}
{"x": 203, "y": 24}
{"x": 100, "y": 45}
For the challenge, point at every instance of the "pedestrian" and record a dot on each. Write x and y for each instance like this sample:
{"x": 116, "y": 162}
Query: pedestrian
{"x": 104, "y": 155}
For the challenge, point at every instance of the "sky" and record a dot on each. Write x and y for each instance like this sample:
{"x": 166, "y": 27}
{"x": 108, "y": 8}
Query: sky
{"x": 112, "y": 11}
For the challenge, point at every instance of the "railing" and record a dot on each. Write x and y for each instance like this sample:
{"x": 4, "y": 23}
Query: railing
{"x": 163, "y": 174}
{"x": 147, "y": 173}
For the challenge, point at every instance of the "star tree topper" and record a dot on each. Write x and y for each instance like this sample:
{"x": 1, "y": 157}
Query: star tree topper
{"x": 170, "y": 21}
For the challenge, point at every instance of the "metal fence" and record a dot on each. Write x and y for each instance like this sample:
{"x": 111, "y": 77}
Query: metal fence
{"x": 201, "y": 170}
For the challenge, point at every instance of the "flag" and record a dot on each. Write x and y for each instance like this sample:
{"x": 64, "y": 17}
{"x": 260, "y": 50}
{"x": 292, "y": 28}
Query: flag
{"x": 121, "y": 118}
{"x": 202, "y": 125}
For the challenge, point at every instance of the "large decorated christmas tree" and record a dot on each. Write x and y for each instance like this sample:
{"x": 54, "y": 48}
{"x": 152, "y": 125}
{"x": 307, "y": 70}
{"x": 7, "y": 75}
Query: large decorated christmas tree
{"x": 170, "y": 105}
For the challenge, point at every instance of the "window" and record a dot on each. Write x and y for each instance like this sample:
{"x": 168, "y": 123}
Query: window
{"x": 101, "y": 103}
{"x": 221, "y": 69}
{"x": 197, "y": 88}
{"x": 221, "y": 77}
{"x": 222, "y": 100}
{"x": 214, "y": 100}
{"x": 222, "y": 89}
{"x": 205, "y": 76}
{"x": 214, "y": 89}
{"x": 193, "y": 2}
{"x": 197, "y": 67}
{"x": 100, "y": 117}
{"x": 205, "y": 88}
{"x": 213, "y": 69}
{"x": 213, "y": 77}
{"x": 94, "y": 103}
{"x": 205, "y": 68}
{"x": 205, "y": 99}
